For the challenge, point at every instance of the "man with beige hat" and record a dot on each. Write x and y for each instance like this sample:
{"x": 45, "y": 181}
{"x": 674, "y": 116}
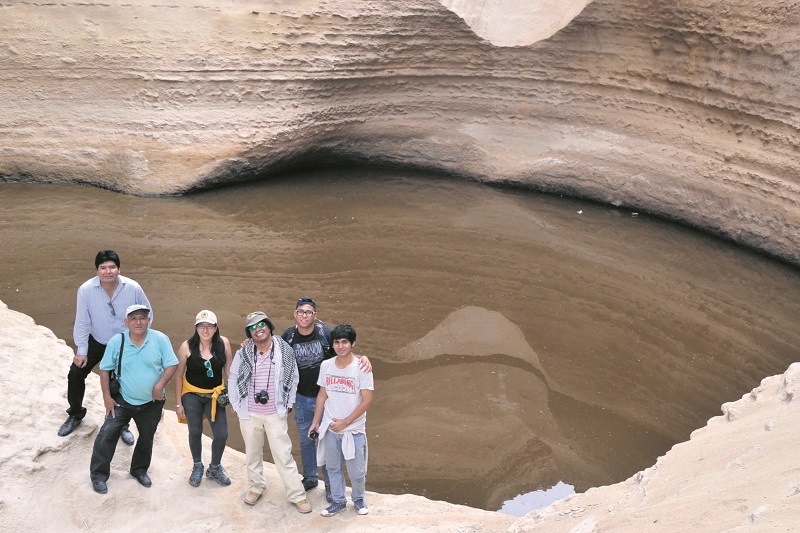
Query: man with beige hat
{"x": 262, "y": 388}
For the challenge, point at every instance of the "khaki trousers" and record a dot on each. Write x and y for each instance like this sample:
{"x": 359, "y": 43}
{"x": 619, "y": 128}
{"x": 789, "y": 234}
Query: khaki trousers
{"x": 276, "y": 430}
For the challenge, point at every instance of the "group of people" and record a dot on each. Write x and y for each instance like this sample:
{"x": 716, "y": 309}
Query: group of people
{"x": 310, "y": 369}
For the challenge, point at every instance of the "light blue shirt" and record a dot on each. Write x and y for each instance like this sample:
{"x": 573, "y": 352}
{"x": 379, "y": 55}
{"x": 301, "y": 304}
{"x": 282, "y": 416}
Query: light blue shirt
{"x": 93, "y": 314}
{"x": 141, "y": 367}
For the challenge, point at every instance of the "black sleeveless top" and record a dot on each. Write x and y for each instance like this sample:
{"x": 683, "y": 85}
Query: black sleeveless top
{"x": 196, "y": 372}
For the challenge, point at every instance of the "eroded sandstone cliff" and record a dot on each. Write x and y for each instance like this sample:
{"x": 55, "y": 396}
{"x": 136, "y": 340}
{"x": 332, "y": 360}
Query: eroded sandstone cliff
{"x": 684, "y": 109}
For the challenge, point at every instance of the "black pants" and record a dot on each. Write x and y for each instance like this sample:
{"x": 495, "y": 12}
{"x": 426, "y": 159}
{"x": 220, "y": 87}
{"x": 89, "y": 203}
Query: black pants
{"x": 147, "y": 416}
{"x": 76, "y": 379}
{"x": 195, "y": 407}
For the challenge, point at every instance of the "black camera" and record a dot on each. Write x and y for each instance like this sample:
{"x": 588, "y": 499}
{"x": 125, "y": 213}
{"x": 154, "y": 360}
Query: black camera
{"x": 223, "y": 399}
{"x": 262, "y": 397}
{"x": 314, "y": 435}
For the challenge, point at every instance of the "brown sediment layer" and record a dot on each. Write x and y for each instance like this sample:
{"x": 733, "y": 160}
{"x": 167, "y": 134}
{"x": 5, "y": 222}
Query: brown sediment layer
{"x": 684, "y": 109}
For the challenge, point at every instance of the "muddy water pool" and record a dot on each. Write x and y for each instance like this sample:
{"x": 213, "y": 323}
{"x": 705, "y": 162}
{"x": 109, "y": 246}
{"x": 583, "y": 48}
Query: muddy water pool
{"x": 520, "y": 341}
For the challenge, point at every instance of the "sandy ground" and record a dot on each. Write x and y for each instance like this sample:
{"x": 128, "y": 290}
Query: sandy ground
{"x": 740, "y": 472}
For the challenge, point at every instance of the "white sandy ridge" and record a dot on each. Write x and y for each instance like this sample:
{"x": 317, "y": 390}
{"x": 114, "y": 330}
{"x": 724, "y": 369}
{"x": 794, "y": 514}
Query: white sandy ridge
{"x": 739, "y": 473}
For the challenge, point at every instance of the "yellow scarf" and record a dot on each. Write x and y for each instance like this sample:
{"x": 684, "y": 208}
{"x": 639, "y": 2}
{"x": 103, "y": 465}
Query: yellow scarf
{"x": 216, "y": 391}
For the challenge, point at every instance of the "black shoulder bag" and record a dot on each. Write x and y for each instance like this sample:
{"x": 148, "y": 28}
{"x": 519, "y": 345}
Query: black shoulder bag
{"x": 113, "y": 378}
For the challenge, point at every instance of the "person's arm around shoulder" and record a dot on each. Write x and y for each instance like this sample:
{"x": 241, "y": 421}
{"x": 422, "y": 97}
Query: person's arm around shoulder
{"x": 183, "y": 356}
{"x": 364, "y": 363}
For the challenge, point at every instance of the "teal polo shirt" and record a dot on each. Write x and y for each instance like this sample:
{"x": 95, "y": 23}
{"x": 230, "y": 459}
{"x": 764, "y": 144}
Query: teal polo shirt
{"x": 141, "y": 367}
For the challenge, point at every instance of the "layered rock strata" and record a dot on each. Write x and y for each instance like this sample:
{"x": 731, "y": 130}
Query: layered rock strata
{"x": 684, "y": 109}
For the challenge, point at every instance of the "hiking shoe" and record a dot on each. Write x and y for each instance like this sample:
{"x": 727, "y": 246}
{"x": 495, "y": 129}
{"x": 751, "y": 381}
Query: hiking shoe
{"x": 69, "y": 426}
{"x": 303, "y": 506}
{"x": 333, "y": 509}
{"x": 361, "y": 507}
{"x": 197, "y": 475}
{"x": 100, "y": 487}
{"x": 309, "y": 484}
{"x": 126, "y": 436}
{"x": 217, "y": 473}
{"x": 328, "y": 493}
{"x": 252, "y": 497}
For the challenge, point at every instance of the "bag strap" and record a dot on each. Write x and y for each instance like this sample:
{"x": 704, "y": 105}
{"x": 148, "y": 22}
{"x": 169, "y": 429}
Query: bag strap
{"x": 321, "y": 331}
{"x": 119, "y": 359}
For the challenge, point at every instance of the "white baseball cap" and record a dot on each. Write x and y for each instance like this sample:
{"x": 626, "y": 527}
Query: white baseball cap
{"x": 205, "y": 316}
{"x": 136, "y": 307}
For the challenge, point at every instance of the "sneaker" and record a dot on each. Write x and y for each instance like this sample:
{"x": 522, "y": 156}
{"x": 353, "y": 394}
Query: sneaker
{"x": 309, "y": 484}
{"x": 197, "y": 475}
{"x": 333, "y": 509}
{"x": 328, "y": 493}
{"x": 216, "y": 472}
{"x": 361, "y": 507}
{"x": 69, "y": 426}
{"x": 252, "y": 497}
{"x": 303, "y": 506}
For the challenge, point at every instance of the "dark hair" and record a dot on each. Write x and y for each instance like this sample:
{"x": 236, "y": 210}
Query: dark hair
{"x": 217, "y": 346}
{"x": 306, "y": 300}
{"x": 106, "y": 255}
{"x": 344, "y": 331}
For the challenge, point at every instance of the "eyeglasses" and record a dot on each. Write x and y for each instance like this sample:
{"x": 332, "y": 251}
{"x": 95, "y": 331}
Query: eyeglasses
{"x": 261, "y": 324}
{"x": 206, "y": 326}
{"x": 301, "y": 312}
{"x": 113, "y": 313}
{"x": 209, "y": 371}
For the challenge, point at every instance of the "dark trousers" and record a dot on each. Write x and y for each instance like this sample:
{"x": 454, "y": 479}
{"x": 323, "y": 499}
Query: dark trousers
{"x": 76, "y": 379}
{"x": 195, "y": 407}
{"x": 147, "y": 416}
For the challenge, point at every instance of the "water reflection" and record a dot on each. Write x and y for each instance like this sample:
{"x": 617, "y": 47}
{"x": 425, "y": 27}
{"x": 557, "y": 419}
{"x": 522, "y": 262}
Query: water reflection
{"x": 517, "y": 342}
{"x": 537, "y": 499}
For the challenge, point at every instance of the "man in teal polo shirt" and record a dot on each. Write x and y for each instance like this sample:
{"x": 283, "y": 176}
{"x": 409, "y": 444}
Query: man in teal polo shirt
{"x": 148, "y": 363}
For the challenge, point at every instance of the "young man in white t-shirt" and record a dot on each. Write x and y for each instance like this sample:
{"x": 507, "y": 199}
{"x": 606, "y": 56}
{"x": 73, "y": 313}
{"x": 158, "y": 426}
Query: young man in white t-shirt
{"x": 340, "y": 418}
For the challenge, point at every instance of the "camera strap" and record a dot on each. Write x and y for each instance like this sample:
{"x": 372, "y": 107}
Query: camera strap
{"x": 119, "y": 360}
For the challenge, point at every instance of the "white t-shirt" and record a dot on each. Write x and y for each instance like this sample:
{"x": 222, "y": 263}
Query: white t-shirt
{"x": 343, "y": 387}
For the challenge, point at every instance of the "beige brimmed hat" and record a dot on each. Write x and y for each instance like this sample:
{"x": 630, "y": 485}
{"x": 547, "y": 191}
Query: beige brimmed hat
{"x": 254, "y": 318}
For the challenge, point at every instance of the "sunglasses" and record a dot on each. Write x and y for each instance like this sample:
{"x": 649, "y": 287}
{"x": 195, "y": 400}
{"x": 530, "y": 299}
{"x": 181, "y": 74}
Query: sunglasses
{"x": 113, "y": 313}
{"x": 209, "y": 371}
{"x": 261, "y": 324}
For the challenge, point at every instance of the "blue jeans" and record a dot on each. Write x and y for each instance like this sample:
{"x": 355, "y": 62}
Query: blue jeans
{"x": 356, "y": 467}
{"x": 304, "y": 407}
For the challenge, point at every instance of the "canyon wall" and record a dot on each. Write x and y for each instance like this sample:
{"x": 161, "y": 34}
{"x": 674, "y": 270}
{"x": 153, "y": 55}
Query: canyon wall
{"x": 684, "y": 109}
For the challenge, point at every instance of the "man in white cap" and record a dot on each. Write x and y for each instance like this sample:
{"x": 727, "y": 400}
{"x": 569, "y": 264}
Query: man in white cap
{"x": 144, "y": 362}
{"x": 98, "y": 317}
{"x": 262, "y": 389}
